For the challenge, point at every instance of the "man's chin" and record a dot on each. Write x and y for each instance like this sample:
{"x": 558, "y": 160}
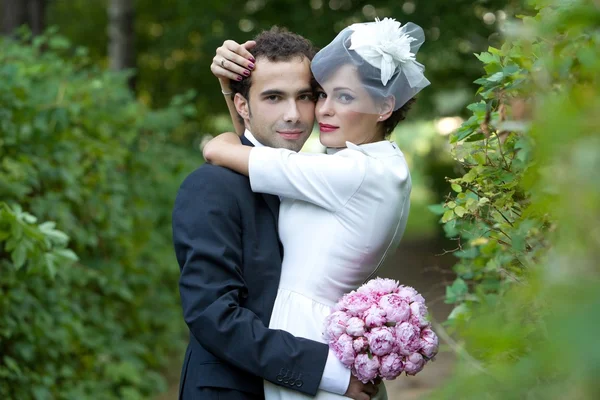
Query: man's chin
{"x": 291, "y": 144}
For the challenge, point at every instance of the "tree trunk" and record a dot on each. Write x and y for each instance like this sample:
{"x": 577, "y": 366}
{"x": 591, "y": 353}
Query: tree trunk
{"x": 121, "y": 50}
{"x": 14, "y": 14}
{"x": 37, "y": 16}
{"x": 20, "y": 12}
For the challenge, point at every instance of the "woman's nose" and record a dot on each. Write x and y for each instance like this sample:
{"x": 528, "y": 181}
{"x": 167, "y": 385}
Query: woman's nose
{"x": 324, "y": 107}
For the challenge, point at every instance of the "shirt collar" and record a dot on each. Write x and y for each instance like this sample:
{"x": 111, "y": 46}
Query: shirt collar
{"x": 252, "y": 139}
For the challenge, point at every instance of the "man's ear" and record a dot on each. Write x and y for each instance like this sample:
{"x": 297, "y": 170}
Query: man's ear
{"x": 387, "y": 107}
{"x": 242, "y": 106}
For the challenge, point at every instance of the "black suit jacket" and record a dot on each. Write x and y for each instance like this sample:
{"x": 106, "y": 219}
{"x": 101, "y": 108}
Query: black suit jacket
{"x": 227, "y": 247}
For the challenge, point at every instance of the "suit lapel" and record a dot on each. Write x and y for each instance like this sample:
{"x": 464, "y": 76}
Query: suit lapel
{"x": 272, "y": 201}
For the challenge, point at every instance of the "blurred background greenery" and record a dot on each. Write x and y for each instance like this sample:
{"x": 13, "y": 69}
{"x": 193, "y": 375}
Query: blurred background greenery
{"x": 102, "y": 115}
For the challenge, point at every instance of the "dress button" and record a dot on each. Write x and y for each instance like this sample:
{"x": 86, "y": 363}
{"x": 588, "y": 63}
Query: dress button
{"x": 299, "y": 383}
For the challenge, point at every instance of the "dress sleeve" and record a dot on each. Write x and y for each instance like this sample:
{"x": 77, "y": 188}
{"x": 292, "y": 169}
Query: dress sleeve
{"x": 328, "y": 181}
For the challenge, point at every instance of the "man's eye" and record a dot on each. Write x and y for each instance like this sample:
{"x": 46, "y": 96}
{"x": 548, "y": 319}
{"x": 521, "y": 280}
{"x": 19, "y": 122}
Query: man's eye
{"x": 321, "y": 95}
{"x": 306, "y": 97}
{"x": 273, "y": 98}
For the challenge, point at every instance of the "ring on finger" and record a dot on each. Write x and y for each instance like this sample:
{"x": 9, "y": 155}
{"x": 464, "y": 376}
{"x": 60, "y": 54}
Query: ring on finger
{"x": 223, "y": 62}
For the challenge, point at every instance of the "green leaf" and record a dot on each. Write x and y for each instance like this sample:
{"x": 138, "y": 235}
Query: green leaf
{"x": 497, "y": 77}
{"x": 19, "y": 255}
{"x": 448, "y": 215}
{"x": 460, "y": 211}
{"x": 486, "y": 58}
{"x": 456, "y": 187}
{"x": 437, "y": 209}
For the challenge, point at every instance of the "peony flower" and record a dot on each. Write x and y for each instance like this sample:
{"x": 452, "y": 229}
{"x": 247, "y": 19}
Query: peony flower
{"x": 344, "y": 350}
{"x": 360, "y": 344}
{"x": 408, "y": 338}
{"x": 410, "y": 295}
{"x": 355, "y": 303}
{"x": 429, "y": 343}
{"x": 381, "y": 286}
{"x": 366, "y": 368}
{"x": 335, "y": 325}
{"x": 391, "y": 366}
{"x": 374, "y": 316}
{"x": 419, "y": 312}
{"x": 381, "y": 340}
{"x": 395, "y": 307}
{"x": 413, "y": 364}
{"x": 355, "y": 327}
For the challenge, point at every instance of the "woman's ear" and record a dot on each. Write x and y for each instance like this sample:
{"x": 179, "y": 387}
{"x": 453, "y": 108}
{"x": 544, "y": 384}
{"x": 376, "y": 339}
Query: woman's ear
{"x": 387, "y": 108}
{"x": 242, "y": 106}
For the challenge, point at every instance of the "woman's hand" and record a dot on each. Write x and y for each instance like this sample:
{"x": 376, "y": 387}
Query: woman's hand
{"x": 232, "y": 61}
{"x": 217, "y": 148}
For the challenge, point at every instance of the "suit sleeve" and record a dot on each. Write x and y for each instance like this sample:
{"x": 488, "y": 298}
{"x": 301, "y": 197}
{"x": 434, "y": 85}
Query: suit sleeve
{"x": 328, "y": 181}
{"x": 208, "y": 242}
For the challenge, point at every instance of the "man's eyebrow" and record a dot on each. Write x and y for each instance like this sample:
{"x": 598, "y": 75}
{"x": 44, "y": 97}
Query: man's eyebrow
{"x": 277, "y": 92}
{"x": 272, "y": 92}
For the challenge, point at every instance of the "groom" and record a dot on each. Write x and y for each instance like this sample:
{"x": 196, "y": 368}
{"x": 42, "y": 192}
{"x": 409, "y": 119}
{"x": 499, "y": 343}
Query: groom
{"x": 227, "y": 246}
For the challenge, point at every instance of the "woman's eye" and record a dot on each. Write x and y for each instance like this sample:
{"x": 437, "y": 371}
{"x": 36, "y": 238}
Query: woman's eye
{"x": 345, "y": 98}
{"x": 321, "y": 95}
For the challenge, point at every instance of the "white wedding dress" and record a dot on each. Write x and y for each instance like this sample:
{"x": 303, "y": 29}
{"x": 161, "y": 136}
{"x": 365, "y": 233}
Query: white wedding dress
{"x": 340, "y": 215}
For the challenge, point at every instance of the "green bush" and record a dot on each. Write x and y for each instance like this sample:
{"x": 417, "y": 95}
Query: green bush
{"x": 525, "y": 215}
{"x": 76, "y": 148}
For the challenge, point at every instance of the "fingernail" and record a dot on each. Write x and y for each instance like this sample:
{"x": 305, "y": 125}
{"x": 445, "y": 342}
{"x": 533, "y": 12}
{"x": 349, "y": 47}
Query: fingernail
{"x": 239, "y": 78}
{"x": 252, "y": 59}
{"x": 246, "y": 72}
{"x": 251, "y": 66}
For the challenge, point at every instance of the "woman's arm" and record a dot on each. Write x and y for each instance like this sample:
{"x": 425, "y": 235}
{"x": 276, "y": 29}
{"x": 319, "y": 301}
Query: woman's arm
{"x": 232, "y": 61}
{"x": 228, "y": 151}
{"x": 327, "y": 181}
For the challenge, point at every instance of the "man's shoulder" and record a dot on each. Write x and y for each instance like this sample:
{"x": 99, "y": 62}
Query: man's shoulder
{"x": 214, "y": 175}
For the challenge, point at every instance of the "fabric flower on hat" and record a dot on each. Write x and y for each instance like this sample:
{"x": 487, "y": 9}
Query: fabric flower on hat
{"x": 384, "y": 45}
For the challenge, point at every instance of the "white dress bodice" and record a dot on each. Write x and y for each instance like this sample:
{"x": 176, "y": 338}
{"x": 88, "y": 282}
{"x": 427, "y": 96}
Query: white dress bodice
{"x": 340, "y": 215}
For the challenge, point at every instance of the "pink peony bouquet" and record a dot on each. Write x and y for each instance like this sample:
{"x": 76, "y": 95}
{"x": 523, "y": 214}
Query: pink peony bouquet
{"x": 381, "y": 330}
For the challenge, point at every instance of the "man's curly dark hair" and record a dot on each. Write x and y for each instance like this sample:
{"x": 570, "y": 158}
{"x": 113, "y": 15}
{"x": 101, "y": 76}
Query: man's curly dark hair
{"x": 276, "y": 45}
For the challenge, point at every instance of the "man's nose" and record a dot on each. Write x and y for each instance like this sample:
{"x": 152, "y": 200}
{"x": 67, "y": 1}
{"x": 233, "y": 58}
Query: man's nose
{"x": 292, "y": 114}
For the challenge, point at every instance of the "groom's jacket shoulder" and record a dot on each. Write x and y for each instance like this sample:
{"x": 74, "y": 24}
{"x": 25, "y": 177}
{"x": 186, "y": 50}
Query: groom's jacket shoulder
{"x": 215, "y": 179}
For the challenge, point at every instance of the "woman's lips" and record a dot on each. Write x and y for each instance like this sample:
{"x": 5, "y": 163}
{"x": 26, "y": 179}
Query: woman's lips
{"x": 327, "y": 128}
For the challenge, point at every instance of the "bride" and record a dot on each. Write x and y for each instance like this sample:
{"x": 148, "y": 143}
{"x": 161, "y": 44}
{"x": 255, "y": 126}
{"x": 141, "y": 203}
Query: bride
{"x": 342, "y": 212}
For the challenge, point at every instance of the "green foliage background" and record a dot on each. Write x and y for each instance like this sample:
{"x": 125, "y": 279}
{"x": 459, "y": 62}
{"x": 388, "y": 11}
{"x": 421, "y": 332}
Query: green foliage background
{"x": 524, "y": 213}
{"x": 98, "y": 318}
{"x": 88, "y": 171}
{"x": 176, "y": 40}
